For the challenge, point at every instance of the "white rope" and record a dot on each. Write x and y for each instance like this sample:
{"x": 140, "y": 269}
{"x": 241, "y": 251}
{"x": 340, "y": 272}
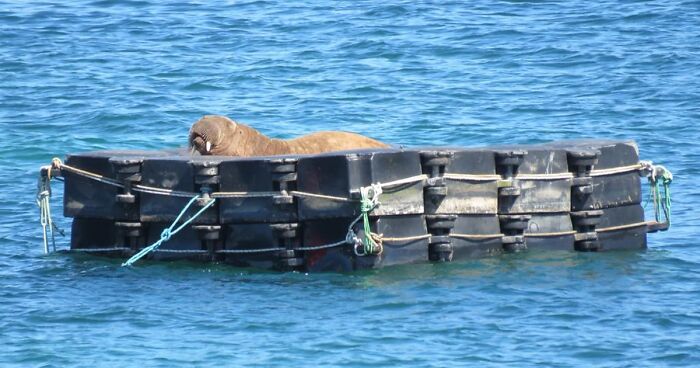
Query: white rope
{"x": 58, "y": 164}
{"x": 297, "y": 193}
{"x": 162, "y": 191}
{"x": 551, "y": 234}
{"x": 618, "y": 170}
{"x": 559, "y": 176}
{"x": 175, "y": 193}
{"x": 626, "y": 226}
{"x": 408, "y": 180}
{"x": 404, "y": 238}
{"x": 471, "y": 177}
{"x": 476, "y": 236}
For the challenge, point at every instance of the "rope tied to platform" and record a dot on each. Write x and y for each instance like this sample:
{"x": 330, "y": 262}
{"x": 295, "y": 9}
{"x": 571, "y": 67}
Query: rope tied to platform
{"x": 168, "y": 232}
{"x": 369, "y": 200}
{"x": 43, "y": 197}
{"x": 659, "y": 176}
{"x": 43, "y": 200}
{"x": 369, "y": 243}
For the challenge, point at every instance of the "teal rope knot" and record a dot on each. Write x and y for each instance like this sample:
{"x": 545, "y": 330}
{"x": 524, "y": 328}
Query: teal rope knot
{"x": 171, "y": 230}
{"x": 165, "y": 235}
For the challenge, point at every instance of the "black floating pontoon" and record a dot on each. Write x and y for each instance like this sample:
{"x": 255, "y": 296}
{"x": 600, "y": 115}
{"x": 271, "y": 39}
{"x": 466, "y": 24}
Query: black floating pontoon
{"x": 360, "y": 209}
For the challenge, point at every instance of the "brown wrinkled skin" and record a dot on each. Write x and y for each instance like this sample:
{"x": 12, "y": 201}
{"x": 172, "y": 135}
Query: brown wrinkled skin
{"x": 229, "y": 138}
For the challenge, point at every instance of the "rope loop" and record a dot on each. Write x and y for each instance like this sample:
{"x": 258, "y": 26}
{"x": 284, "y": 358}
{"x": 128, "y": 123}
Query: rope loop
{"x": 359, "y": 249}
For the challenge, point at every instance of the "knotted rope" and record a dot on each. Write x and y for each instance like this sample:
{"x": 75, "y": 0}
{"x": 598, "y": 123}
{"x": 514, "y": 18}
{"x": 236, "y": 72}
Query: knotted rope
{"x": 659, "y": 176}
{"x": 369, "y": 200}
{"x": 43, "y": 200}
{"x": 171, "y": 230}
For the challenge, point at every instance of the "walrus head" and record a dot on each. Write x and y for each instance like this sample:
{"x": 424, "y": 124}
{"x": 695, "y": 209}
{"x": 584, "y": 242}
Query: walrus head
{"x": 208, "y": 135}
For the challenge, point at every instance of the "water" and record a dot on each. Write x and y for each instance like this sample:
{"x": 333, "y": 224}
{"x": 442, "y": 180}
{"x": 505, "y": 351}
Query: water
{"x": 135, "y": 74}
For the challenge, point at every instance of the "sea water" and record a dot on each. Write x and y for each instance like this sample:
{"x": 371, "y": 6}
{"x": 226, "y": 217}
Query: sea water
{"x": 91, "y": 75}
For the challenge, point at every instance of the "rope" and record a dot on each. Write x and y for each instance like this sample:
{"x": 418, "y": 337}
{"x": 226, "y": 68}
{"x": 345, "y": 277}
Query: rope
{"x": 405, "y": 238}
{"x": 371, "y": 243}
{"x": 471, "y": 177}
{"x": 297, "y": 193}
{"x": 660, "y": 176}
{"x": 247, "y": 251}
{"x": 59, "y": 165}
{"x": 190, "y": 251}
{"x": 43, "y": 200}
{"x": 162, "y": 191}
{"x": 556, "y": 233}
{"x": 324, "y": 246}
{"x": 618, "y": 170}
{"x": 404, "y": 181}
{"x": 170, "y": 231}
{"x": 245, "y": 194}
{"x": 368, "y": 202}
{"x": 558, "y": 176}
{"x": 476, "y": 236}
{"x": 623, "y": 227}
{"x": 95, "y": 250}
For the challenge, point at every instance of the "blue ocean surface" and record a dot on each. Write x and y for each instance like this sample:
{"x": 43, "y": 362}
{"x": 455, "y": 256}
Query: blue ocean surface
{"x": 108, "y": 74}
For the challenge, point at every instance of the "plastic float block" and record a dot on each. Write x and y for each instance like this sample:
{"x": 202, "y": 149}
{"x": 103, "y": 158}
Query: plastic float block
{"x": 631, "y": 229}
{"x": 592, "y": 191}
{"x": 259, "y": 239}
{"x": 470, "y": 236}
{"x": 532, "y": 191}
{"x": 343, "y": 174}
{"x": 178, "y": 174}
{"x": 343, "y": 258}
{"x": 449, "y": 189}
{"x": 260, "y": 174}
{"x": 542, "y": 230}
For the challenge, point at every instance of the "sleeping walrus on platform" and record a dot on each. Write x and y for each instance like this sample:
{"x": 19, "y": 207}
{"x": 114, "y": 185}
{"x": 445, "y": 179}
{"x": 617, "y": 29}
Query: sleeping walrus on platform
{"x": 221, "y": 136}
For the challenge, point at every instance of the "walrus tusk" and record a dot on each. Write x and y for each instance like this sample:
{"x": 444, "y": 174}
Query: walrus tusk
{"x": 208, "y": 146}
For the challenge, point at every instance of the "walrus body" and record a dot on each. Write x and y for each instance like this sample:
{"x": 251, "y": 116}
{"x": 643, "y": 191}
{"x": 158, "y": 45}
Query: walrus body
{"x": 219, "y": 135}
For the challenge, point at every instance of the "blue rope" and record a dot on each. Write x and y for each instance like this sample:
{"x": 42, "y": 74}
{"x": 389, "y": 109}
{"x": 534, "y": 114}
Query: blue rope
{"x": 170, "y": 231}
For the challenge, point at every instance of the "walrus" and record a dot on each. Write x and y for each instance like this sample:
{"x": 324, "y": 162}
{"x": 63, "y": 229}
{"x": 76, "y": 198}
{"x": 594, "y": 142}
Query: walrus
{"x": 221, "y": 136}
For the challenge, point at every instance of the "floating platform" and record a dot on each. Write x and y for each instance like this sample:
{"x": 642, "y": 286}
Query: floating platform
{"x": 351, "y": 210}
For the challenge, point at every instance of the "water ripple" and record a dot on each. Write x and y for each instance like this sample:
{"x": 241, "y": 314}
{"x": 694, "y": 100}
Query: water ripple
{"x": 107, "y": 74}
